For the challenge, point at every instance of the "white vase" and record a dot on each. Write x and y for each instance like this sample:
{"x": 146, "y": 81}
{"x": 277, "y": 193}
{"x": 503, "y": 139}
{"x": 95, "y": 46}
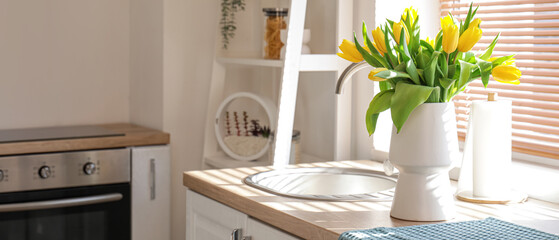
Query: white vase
{"x": 423, "y": 152}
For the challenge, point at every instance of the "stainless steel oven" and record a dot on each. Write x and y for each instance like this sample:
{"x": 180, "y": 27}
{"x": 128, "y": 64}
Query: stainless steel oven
{"x": 73, "y": 195}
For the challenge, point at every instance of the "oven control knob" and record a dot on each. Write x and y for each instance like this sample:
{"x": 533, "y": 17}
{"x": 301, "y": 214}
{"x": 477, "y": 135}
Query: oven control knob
{"x": 1, "y": 175}
{"x": 44, "y": 172}
{"x": 89, "y": 168}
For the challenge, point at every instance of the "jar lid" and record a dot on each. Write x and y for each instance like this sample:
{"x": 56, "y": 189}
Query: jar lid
{"x": 275, "y": 12}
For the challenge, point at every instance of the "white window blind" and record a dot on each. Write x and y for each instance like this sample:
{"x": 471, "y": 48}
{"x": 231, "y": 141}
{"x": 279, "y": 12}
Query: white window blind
{"x": 529, "y": 29}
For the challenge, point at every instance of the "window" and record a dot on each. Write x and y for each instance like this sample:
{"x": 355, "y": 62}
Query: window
{"x": 529, "y": 29}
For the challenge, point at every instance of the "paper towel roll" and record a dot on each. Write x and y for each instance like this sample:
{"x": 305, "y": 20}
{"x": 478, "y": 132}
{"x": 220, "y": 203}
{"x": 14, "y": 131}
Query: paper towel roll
{"x": 491, "y": 146}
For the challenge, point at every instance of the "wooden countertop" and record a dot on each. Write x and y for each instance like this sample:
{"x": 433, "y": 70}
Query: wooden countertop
{"x": 310, "y": 219}
{"x": 134, "y": 136}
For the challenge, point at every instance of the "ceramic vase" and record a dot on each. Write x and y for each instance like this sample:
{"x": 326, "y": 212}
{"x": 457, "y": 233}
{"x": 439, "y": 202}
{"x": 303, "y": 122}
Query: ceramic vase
{"x": 423, "y": 152}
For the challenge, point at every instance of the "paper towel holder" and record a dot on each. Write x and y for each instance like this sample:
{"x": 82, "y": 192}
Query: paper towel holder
{"x": 492, "y": 96}
{"x": 465, "y": 192}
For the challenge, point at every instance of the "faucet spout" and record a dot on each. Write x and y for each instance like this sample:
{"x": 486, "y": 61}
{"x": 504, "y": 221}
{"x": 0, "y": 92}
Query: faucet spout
{"x": 348, "y": 72}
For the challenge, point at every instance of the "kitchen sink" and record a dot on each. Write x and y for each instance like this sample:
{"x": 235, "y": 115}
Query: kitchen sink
{"x": 330, "y": 184}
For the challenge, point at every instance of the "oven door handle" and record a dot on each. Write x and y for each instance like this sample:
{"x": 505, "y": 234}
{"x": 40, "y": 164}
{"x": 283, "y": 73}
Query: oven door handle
{"x": 60, "y": 203}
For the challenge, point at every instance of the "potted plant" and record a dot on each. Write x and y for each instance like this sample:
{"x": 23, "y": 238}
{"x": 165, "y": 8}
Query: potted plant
{"x": 418, "y": 79}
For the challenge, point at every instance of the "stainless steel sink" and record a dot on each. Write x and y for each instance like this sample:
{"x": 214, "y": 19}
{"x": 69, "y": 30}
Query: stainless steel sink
{"x": 331, "y": 184}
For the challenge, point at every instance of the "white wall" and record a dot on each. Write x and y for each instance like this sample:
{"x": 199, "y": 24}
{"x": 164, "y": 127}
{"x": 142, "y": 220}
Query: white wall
{"x": 172, "y": 44}
{"x": 190, "y": 31}
{"x": 63, "y": 62}
{"x": 146, "y": 63}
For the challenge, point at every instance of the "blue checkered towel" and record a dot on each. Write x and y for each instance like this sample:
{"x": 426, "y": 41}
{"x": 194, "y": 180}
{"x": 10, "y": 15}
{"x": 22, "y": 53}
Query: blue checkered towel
{"x": 489, "y": 228}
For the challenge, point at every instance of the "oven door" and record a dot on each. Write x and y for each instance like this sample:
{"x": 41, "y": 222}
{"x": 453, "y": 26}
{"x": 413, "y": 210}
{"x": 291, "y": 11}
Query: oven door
{"x": 86, "y": 213}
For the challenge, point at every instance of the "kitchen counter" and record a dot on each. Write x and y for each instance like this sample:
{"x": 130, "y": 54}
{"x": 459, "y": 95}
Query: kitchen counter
{"x": 310, "y": 219}
{"x": 133, "y": 136}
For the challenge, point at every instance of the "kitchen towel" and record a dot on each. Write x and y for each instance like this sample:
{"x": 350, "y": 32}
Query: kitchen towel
{"x": 489, "y": 228}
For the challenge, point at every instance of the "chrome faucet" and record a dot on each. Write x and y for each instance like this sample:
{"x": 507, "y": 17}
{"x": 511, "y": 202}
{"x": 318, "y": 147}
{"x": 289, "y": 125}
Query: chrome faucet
{"x": 348, "y": 72}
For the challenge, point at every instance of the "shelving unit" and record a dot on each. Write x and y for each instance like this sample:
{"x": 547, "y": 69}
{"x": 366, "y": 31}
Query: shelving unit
{"x": 286, "y": 95}
{"x": 309, "y": 62}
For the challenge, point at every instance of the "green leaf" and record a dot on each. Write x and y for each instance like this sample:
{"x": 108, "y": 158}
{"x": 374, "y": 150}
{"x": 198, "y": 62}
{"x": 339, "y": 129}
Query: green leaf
{"x": 371, "y": 122}
{"x": 414, "y": 40}
{"x": 501, "y": 60}
{"x": 368, "y": 58}
{"x": 401, "y": 67}
{"x": 427, "y": 46}
{"x": 435, "y": 96}
{"x": 439, "y": 41}
{"x": 467, "y": 56}
{"x": 485, "y": 68}
{"x": 365, "y": 35}
{"x": 446, "y": 82}
{"x": 487, "y": 54}
{"x": 465, "y": 70}
{"x": 388, "y": 74}
{"x": 389, "y": 53}
{"x": 404, "y": 45}
{"x": 443, "y": 63}
{"x": 412, "y": 71}
{"x": 452, "y": 71}
{"x": 468, "y": 19}
{"x": 380, "y": 103}
{"x": 384, "y": 85}
{"x": 405, "y": 99}
{"x": 374, "y": 53}
{"x": 422, "y": 60}
{"x": 430, "y": 69}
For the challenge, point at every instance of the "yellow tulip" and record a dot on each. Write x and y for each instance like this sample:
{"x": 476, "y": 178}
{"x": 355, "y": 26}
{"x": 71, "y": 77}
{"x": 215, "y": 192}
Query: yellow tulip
{"x": 475, "y": 23}
{"x": 446, "y": 21}
{"x": 470, "y": 37}
{"x": 350, "y": 52}
{"x": 378, "y": 37}
{"x": 451, "y": 34}
{"x": 374, "y": 72}
{"x": 397, "y": 29}
{"x": 375, "y": 45}
{"x": 430, "y": 41}
{"x": 413, "y": 13}
{"x": 506, "y": 74}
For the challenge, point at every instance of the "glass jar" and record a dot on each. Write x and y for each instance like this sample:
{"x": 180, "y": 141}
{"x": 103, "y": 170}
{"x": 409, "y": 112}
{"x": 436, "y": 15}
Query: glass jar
{"x": 275, "y": 22}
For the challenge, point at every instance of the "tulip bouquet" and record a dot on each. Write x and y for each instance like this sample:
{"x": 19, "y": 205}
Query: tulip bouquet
{"x": 412, "y": 71}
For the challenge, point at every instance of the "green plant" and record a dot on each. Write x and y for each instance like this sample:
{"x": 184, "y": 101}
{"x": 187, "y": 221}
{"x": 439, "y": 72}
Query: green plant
{"x": 412, "y": 71}
{"x": 227, "y": 22}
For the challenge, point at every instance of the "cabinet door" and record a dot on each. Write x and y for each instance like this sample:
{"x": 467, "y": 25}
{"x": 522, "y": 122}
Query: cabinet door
{"x": 151, "y": 190}
{"x": 261, "y": 231}
{"x": 209, "y": 220}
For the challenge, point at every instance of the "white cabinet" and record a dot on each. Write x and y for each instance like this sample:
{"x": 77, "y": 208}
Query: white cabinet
{"x": 210, "y": 220}
{"x": 260, "y": 231}
{"x": 151, "y": 192}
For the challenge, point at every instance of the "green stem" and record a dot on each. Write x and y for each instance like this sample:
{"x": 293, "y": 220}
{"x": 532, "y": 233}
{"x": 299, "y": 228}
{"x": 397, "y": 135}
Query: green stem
{"x": 455, "y": 57}
{"x": 390, "y": 61}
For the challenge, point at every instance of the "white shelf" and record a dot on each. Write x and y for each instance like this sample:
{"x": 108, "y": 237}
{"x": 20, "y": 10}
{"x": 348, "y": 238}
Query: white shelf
{"x": 251, "y": 62}
{"x": 309, "y": 62}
